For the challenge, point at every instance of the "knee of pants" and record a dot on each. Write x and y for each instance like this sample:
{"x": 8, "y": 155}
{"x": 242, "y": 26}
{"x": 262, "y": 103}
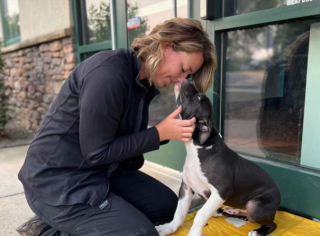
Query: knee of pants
{"x": 170, "y": 203}
{"x": 132, "y": 228}
{"x": 164, "y": 211}
{"x": 151, "y": 231}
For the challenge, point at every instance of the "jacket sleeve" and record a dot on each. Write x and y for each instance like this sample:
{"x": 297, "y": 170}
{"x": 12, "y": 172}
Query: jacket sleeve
{"x": 102, "y": 100}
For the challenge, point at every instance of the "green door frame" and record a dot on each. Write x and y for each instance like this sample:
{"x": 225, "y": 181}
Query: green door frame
{"x": 299, "y": 185}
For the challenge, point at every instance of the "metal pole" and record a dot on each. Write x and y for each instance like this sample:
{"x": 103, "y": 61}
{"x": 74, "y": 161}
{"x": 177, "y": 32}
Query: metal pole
{"x": 190, "y": 8}
{"x": 174, "y": 8}
{"x": 112, "y": 23}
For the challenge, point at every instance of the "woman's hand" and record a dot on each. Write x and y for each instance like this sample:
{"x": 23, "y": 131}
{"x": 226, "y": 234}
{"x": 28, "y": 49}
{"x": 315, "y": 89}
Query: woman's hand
{"x": 174, "y": 129}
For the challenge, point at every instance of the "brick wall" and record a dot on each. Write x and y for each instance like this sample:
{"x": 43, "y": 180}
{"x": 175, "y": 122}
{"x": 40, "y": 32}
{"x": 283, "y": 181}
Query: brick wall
{"x": 34, "y": 76}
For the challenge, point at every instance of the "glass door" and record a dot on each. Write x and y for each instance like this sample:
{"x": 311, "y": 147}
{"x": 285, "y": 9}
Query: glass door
{"x": 268, "y": 109}
{"x": 265, "y": 85}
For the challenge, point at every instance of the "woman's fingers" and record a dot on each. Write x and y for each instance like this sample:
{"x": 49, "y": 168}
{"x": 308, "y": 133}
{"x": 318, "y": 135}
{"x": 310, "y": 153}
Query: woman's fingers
{"x": 175, "y": 113}
{"x": 188, "y": 122}
{"x": 187, "y": 130}
{"x": 187, "y": 135}
{"x": 171, "y": 128}
{"x": 185, "y": 139}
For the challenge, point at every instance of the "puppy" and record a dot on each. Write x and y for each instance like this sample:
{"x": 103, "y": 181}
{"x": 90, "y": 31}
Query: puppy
{"x": 218, "y": 174}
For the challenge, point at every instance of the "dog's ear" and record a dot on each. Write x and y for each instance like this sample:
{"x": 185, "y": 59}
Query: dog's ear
{"x": 205, "y": 130}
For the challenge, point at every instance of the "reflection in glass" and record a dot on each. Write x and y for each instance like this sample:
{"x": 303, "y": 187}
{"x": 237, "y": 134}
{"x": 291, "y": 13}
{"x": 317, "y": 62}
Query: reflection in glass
{"x": 137, "y": 25}
{"x": 96, "y": 16}
{"x": 182, "y": 8}
{"x": 237, "y": 7}
{"x": 151, "y": 13}
{"x": 11, "y": 19}
{"x": 266, "y": 71}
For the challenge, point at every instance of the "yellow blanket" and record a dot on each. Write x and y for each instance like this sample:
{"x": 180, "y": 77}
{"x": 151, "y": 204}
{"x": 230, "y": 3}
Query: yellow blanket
{"x": 288, "y": 225}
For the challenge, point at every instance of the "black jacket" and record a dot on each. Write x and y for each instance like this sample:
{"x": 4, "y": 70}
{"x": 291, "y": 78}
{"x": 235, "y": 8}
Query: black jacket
{"x": 99, "y": 117}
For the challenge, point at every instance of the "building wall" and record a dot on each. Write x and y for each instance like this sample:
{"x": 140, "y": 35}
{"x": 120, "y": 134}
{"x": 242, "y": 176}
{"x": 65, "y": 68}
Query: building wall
{"x": 37, "y": 66}
{"x": 39, "y": 17}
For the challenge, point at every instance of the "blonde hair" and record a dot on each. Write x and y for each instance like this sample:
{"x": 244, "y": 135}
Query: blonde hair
{"x": 186, "y": 35}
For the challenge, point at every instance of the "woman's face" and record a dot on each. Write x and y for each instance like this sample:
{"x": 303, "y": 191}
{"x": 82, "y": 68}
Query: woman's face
{"x": 176, "y": 66}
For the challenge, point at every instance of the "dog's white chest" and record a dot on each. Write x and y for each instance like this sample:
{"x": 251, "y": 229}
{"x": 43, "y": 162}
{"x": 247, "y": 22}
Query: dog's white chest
{"x": 192, "y": 173}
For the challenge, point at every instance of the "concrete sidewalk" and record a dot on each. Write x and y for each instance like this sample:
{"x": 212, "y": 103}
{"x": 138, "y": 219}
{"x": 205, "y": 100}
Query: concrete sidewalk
{"x": 14, "y": 209}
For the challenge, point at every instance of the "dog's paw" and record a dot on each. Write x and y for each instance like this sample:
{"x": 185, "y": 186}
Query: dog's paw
{"x": 235, "y": 212}
{"x": 218, "y": 213}
{"x": 166, "y": 229}
{"x": 254, "y": 233}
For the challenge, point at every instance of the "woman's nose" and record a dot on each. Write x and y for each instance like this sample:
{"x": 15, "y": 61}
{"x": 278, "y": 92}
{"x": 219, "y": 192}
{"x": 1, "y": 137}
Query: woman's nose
{"x": 183, "y": 77}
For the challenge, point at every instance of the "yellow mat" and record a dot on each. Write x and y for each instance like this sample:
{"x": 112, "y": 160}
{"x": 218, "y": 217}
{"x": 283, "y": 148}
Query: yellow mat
{"x": 288, "y": 225}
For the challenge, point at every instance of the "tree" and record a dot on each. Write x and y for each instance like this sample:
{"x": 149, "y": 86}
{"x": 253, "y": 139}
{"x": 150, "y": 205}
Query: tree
{"x": 99, "y": 28}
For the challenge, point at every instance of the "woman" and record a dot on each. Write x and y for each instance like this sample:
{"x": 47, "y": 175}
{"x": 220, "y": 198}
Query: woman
{"x": 81, "y": 172}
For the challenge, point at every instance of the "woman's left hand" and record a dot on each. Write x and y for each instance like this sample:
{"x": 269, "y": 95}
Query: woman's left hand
{"x": 174, "y": 129}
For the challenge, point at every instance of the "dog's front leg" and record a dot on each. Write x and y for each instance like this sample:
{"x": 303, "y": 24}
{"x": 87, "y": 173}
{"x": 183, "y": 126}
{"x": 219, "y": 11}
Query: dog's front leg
{"x": 211, "y": 205}
{"x": 185, "y": 198}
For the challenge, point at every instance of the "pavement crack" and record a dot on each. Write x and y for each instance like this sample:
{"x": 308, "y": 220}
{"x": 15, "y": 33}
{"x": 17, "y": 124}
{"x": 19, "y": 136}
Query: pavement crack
{"x": 11, "y": 195}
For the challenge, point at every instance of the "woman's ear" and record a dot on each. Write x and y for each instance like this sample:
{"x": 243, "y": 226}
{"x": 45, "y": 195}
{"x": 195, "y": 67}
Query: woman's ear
{"x": 165, "y": 45}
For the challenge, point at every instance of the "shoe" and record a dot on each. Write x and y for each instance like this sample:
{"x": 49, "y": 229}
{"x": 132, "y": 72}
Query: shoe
{"x": 32, "y": 227}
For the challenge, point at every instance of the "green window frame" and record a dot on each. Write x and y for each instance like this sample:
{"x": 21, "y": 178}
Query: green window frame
{"x": 118, "y": 21}
{"x": 8, "y": 39}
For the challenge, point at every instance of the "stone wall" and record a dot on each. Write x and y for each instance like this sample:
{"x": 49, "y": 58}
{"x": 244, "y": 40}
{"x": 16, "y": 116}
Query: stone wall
{"x": 34, "y": 76}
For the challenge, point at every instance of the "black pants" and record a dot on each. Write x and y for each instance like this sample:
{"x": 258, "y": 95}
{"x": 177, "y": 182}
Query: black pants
{"x": 137, "y": 202}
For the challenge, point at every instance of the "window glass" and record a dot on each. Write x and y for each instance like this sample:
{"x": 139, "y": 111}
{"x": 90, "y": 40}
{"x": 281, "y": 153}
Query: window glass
{"x": 96, "y": 21}
{"x": 142, "y": 16}
{"x": 11, "y": 21}
{"x": 162, "y": 105}
{"x": 182, "y": 8}
{"x": 237, "y": 7}
{"x": 266, "y": 71}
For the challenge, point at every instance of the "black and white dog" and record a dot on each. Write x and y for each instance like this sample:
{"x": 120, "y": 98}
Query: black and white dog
{"x": 218, "y": 174}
